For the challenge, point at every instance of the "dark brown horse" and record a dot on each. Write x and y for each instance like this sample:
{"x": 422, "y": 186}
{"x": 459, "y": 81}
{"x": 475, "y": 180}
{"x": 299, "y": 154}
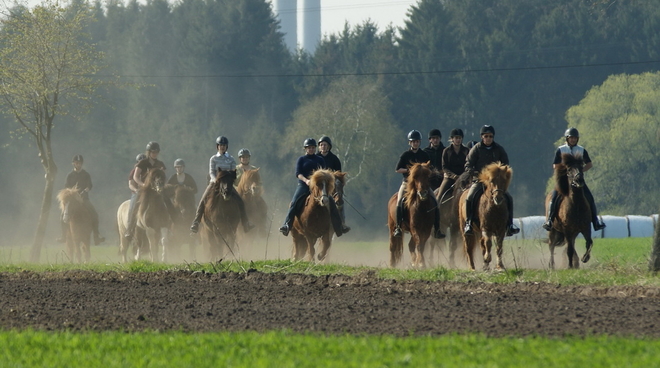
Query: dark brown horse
{"x": 314, "y": 220}
{"x": 221, "y": 216}
{"x": 152, "y": 214}
{"x": 79, "y": 220}
{"x": 418, "y": 216}
{"x": 184, "y": 205}
{"x": 490, "y": 219}
{"x": 250, "y": 188}
{"x": 573, "y": 211}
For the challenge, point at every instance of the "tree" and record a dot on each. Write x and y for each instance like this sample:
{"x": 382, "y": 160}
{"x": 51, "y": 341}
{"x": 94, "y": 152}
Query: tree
{"x": 46, "y": 69}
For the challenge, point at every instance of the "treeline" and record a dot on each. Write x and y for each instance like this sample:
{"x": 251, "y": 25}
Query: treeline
{"x": 200, "y": 69}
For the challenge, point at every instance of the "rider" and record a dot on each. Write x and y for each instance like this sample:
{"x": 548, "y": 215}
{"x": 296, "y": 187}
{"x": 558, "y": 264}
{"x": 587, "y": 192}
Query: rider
{"x": 244, "y": 159}
{"x": 409, "y": 157}
{"x": 141, "y": 170}
{"x": 434, "y": 150}
{"x": 80, "y": 179}
{"x": 305, "y": 166}
{"x": 221, "y": 160}
{"x": 453, "y": 161}
{"x": 332, "y": 162}
{"x": 572, "y": 137}
{"x": 181, "y": 178}
{"x": 482, "y": 154}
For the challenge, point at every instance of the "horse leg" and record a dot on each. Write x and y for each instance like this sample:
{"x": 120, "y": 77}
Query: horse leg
{"x": 468, "y": 244}
{"x": 486, "y": 245}
{"x": 309, "y": 250}
{"x": 153, "y": 243}
{"x": 421, "y": 262}
{"x": 396, "y": 249}
{"x": 453, "y": 247}
{"x": 325, "y": 242}
{"x": 499, "y": 244}
{"x": 165, "y": 243}
{"x": 589, "y": 243}
{"x": 570, "y": 252}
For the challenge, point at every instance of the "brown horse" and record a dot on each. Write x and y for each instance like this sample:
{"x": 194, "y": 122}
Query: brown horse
{"x": 314, "y": 221}
{"x": 448, "y": 203}
{"x": 152, "y": 213}
{"x": 79, "y": 220}
{"x": 184, "y": 205}
{"x": 250, "y": 188}
{"x": 490, "y": 220}
{"x": 418, "y": 216}
{"x": 139, "y": 239}
{"x": 221, "y": 216}
{"x": 573, "y": 211}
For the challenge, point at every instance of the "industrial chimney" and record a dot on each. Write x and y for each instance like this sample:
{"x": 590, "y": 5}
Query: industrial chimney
{"x": 286, "y": 11}
{"x": 310, "y": 25}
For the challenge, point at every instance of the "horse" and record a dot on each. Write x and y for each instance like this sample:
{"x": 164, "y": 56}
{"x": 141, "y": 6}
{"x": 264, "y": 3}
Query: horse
{"x": 152, "y": 213}
{"x": 573, "y": 211}
{"x": 314, "y": 221}
{"x": 490, "y": 220}
{"x": 184, "y": 205}
{"x": 221, "y": 216}
{"x": 78, "y": 217}
{"x": 448, "y": 203}
{"x": 418, "y": 216}
{"x": 250, "y": 188}
{"x": 139, "y": 238}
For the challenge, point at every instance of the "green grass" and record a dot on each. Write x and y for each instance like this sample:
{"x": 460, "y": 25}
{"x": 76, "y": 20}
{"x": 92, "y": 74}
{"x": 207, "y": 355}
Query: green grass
{"x": 287, "y": 349}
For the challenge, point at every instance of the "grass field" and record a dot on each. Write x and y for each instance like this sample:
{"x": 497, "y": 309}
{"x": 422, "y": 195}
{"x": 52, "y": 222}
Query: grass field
{"x": 614, "y": 262}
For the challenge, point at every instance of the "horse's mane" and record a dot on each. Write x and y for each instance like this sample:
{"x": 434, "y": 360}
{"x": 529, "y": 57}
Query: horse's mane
{"x": 318, "y": 177}
{"x": 341, "y": 176}
{"x": 561, "y": 172}
{"x": 68, "y": 195}
{"x": 152, "y": 175}
{"x": 495, "y": 170}
{"x": 250, "y": 176}
{"x": 419, "y": 172}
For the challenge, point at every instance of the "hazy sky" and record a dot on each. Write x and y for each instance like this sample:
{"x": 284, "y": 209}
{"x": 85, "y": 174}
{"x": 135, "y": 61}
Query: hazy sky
{"x": 334, "y": 13}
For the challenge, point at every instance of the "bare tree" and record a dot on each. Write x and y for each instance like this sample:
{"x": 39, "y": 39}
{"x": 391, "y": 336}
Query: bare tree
{"x": 47, "y": 66}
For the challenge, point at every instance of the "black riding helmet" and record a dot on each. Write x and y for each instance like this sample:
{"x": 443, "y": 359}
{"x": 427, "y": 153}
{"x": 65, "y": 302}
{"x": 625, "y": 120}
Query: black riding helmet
{"x": 435, "y": 133}
{"x": 456, "y": 133}
{"x": 179, "y": 162}
{"x": 309, "y": 142}
{"x": 572, "y": 132}
{"x": 77, "y": 158}
{"x": 326, "y": 139}
{"x": 487, "y": 129}
{"x": 153, "y": 146}
{"x": 414, "y": 135}
{"x": 222, "y": 140}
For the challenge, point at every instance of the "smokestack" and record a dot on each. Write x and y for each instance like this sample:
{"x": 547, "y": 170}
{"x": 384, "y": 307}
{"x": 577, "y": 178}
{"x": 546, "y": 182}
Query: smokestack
{"x": 286, "y": 13}
{"x": 310, "y": 25}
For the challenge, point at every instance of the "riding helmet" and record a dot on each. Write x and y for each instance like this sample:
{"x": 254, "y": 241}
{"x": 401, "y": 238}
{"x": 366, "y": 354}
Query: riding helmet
{"x": 572, "y": 132}
{"x": 244, "y": 152}
{"x": 487, "y": 129}
{"x": 153, "y": 146}
{"x": 179, "y": 162}
{"x": 140, "y": 157}
{"x": 309, "y": 142}
{"x": 456, "y": 132}
{"x": 77, "y": 158}
{"x": 414, "y": 135}
{"x": 435, "y": 133}
{"x": 326, "y": 139}
{"x": 222, "y": 140}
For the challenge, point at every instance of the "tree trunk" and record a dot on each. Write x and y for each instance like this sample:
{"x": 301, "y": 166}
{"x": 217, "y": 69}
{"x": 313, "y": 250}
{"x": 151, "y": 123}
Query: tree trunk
{"x": 654, "y": 263}
{"x": 51, "y": 171}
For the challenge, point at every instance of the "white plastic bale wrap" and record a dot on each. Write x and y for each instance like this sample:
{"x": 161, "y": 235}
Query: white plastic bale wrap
{"x": 640, "y": 226}
{"x": 530, "y": 228}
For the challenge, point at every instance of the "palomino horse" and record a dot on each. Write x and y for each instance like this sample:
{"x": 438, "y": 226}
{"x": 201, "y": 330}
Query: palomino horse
{"x": 573, "y": 211}
{"x": 152, "y": 213}
{"x": 221, "y": 216}
{"x": 139, "y": 239}
{"x": 79, "y": 219}
{"x": 489, "y": 222}
{"x": 314, "y": 221}
{"x": 251, "y": 190}
{"x": 184, "y": 205}
{"x": 418, "y": 216}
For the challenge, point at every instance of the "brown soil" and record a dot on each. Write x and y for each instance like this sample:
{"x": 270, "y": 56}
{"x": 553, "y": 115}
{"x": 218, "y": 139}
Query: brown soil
{"x": 195, "y": 302}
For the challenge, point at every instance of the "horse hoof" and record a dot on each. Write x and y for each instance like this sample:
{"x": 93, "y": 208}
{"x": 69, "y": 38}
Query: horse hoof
{"x": 586, "y": 258}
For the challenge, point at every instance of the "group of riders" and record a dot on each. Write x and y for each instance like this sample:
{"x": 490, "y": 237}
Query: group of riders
{"x": 451, "y": 162}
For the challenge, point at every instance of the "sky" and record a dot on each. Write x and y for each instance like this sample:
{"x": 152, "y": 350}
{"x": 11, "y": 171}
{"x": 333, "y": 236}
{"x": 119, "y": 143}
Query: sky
{"x": 334, "y": 13}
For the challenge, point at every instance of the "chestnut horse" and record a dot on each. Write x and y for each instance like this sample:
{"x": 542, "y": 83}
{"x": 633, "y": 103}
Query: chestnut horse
{"x": 184, "y": 205}
{"x": 221, "y": 216}
{"x": 153, "y": 215}
{"x": 314, "y": 221}
{"x": 489, "y": 221}
{"x": 79, "y": 220}
{"x": 418, "y": 216}
{"x": 573, "y": 211}
{"x": 250, "y": 188}
{"x": 448, "y": 203}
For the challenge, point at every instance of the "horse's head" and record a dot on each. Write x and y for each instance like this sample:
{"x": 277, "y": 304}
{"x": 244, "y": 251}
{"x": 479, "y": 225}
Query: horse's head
{"x": 338, "y": 194}
{"x": 156, "y": 180}
{"x": 321, "y": 183}
{"x": 418, "y": 182}
{"x": 569, "y": 172}
{"x": 224, "y": 183}
{"x": 496, "y": 178}
{"x": 184, "y": 200}
{"x": 67, "y": 196}
{"x": 250, "y": 183}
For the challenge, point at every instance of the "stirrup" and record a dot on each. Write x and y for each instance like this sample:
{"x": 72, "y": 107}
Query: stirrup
{"x": 512, "y": 230}
{"x": 467, "y": 230}
{"x": 397, "y": 232}
{"x": 599, "y": 225}
{"x": 285, "y": 230}
{"x": 194, "y": 228}
{"x": 547, "y": 225}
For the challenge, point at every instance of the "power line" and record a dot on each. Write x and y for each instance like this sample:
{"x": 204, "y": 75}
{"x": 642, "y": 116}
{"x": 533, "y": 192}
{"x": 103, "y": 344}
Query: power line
{"x": 367, "y": 74}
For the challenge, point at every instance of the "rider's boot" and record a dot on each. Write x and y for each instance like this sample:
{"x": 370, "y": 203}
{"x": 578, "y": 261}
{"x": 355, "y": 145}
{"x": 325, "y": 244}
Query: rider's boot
{"x": 399, "y": 219}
